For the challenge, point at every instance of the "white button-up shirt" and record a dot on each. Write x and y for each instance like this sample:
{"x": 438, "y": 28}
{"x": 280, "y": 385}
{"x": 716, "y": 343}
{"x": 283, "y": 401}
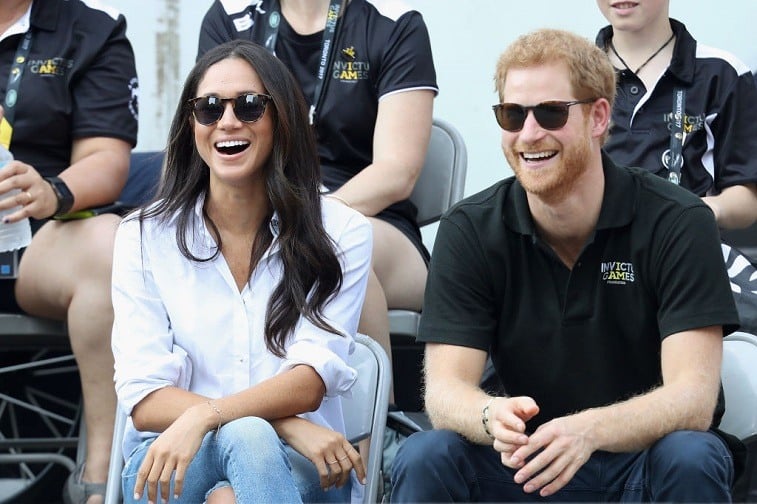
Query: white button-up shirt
{"x": 185, "y": 323}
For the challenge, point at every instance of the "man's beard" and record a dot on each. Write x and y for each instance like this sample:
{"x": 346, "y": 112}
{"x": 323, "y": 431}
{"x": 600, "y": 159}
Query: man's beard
{"x": 554, "y": 182}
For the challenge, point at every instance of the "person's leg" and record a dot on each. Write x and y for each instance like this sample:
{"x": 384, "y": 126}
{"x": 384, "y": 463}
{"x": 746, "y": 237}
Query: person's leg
{"x": 65, "y": 274}
{"x": 247, "y": 453}
{"x": 442, "y": 466}
{"x": 397, "y": 280}
{"x": 684, "y": 466}
{"x": 399, "y": 266}
{"x": 255, "y": 462}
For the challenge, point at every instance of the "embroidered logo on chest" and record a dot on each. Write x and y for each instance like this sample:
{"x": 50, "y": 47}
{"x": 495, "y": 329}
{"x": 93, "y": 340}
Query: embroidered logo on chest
{"x": 617, "y": 273}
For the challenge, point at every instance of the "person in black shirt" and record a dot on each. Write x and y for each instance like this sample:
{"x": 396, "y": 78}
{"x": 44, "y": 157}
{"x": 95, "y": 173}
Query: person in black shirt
{"x": 577, "y": 276}
{"x": 73, "y": 125}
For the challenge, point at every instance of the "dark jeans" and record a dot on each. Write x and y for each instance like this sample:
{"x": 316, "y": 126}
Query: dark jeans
{"x": 684, "y": 466}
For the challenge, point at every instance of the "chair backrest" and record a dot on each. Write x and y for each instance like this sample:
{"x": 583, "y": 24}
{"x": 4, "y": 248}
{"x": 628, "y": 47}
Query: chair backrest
{"x": 442, "y": 180}
{"x": 366, "y": 409}
{"x": 739, "y": 376}
{"x": 365, "y": 415}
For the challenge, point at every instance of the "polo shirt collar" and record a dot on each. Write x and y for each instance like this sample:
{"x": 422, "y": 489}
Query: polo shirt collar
{"x": 684, "y": 52}
{"x": 618, "y": 201}
{"x": 45, "y": 15}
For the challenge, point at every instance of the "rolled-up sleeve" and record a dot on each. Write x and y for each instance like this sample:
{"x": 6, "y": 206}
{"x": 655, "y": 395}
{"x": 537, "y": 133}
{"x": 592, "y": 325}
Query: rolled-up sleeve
{"x": 146, "y": 358}
{"x": 324, "y": 351}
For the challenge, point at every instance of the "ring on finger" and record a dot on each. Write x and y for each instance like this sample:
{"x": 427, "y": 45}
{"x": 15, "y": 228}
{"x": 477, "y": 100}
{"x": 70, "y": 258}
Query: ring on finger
{"x": 332, "y": 463}
{"x": 343, "y": 458}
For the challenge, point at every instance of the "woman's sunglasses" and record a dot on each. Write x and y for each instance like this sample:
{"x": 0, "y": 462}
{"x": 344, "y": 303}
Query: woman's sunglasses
{"x": 248, "y": 107}
{"x": 551, "y": 115}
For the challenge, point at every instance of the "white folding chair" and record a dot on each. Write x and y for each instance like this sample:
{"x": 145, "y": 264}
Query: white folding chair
{"x": 364, "y": 415}
{"x": 440, "y": 185}
{"x": 739, "y": 377}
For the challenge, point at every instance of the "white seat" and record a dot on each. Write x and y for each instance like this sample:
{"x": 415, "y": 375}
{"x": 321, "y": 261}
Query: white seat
{"x": 739, "y": 376}
{"x": 440, "y": 185}
{"x": 364, "y": 414}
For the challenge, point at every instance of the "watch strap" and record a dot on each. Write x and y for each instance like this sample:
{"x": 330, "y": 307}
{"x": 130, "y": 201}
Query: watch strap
{"x": 64, "y": 195}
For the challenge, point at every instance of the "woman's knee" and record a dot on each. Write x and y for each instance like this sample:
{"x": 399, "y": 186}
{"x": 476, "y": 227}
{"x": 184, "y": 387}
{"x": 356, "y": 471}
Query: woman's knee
{"x": 250, "y": 433}
{"x": 248, "y": 428}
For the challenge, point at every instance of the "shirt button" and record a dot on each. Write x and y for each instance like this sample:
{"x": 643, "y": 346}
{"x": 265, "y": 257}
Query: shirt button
{"x": 634, "y": 90}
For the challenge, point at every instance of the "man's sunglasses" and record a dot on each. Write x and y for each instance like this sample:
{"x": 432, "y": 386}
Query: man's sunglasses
{"x": 551, "y": 115}
{"x": 248, "y": 107}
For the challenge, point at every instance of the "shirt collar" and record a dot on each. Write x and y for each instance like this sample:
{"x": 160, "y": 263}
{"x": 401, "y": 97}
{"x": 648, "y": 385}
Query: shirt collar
{"x": 205, "y": 239}
{"x": 684, "y": 50}
{"x": 45, "y": 15}
{"x": 618, "y": 201}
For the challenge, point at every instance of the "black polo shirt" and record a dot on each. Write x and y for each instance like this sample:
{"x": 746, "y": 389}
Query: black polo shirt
{"x": 382, "y": 48}
{"x": 590, "y": 336}
{"x": 720, "y": 145}
{"x": 80, "y": 81}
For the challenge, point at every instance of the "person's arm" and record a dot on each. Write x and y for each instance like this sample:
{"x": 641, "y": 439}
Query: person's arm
{"x": 400, "y": 142}
{"x": 331, "y": 453}
{"x": 454, "y": 400}
{"x": 96, "y": 176}
{"x": 735, "y": 207}
{"x": 686, "y": 400}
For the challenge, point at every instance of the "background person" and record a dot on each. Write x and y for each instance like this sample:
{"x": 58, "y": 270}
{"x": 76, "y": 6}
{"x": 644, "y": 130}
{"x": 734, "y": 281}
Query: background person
{"x": 610, "y": 350}
{"x": 372, "y": 117}
{"x": 72, "y": 126}
{"x": 656, "y": 59}
{"x": 236, "y": 297}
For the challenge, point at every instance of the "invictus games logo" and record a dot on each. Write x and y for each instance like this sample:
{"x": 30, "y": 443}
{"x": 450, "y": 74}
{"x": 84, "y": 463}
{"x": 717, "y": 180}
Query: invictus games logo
{"x": 349, "y": 68}
{"x": 617, "y": 273}
{"x": 50, "y": 66}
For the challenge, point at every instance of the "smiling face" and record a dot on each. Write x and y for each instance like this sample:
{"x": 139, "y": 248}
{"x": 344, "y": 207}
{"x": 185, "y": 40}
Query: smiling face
{"x": 546, "y": 162}
{"x": 235, "y": 151}
{"x": 634, "y": 16}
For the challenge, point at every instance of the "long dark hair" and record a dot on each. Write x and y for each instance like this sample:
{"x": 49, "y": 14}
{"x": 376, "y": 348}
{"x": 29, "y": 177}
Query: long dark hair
{"x": 312, "y": 273}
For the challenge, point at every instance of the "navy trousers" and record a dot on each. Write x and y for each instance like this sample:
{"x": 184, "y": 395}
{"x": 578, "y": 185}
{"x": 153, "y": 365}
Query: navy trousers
{"x": 684, "y": 466}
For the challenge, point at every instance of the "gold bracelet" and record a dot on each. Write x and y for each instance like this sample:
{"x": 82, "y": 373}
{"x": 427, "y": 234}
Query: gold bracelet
{"x": 334, "y": 196}
{"x": 218, "y": 412}
{"x": 485, "y": 418}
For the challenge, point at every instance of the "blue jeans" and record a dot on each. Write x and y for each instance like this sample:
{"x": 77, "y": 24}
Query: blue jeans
{"x": 247, "y": 455}
{"x": 684, "y": 466}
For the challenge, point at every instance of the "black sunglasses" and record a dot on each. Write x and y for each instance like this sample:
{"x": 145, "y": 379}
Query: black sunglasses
{"x": 248, "y": 107}
{"x": 551, "y": 115}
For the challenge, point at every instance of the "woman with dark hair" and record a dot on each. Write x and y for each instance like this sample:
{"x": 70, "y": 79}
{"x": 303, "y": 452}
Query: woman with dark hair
{"x": 236, "y": 296}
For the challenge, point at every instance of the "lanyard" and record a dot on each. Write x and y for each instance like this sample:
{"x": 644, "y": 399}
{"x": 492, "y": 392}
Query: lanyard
{"x": 273, "y": 19}
{"x": 676, "y": 136}
{"x": 14, "y": 84}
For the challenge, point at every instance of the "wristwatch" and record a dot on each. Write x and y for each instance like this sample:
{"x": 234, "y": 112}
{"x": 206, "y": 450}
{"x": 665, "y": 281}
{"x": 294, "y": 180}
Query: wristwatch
{"x": 64, "y": 195}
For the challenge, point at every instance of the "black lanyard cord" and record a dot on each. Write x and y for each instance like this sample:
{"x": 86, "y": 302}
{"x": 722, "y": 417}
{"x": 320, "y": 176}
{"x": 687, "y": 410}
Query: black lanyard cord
{"x": 328, "y": 45}
{"x": 676, "y": 136}
{"x": 14, "y": 86}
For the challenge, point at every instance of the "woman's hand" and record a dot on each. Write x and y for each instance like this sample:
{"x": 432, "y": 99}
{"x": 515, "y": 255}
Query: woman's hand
{"x": 171, "y": 453}
{"x": 329, "y": 451}
{"x": 36, "y": 199}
